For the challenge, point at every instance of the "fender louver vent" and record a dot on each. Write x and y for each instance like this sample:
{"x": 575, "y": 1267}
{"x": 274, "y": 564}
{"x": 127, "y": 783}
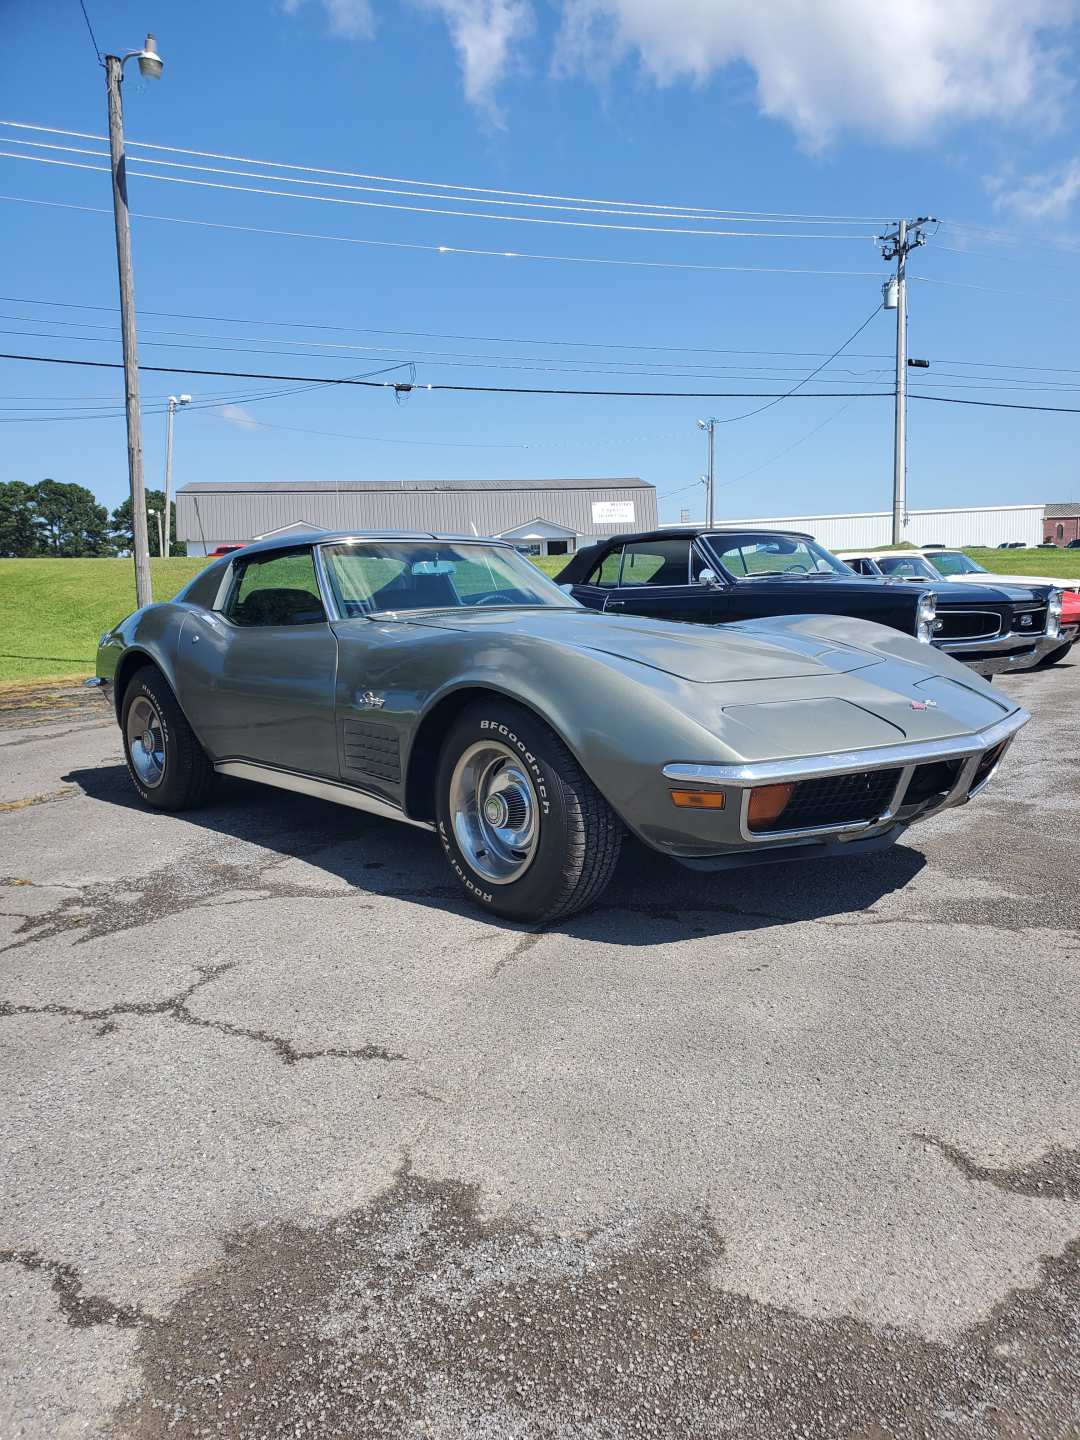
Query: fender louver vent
{"x": 372, "y": 750}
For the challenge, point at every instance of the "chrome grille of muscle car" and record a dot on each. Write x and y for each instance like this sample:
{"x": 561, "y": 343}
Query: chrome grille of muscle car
{"x": 967, "y": 625}
{"x": 1028, "y": 620}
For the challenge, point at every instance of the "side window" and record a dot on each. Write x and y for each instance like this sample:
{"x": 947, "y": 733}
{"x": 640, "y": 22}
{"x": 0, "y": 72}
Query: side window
{"x": 861, "y": 567}
{"x": 607, "y": 572}
{"x": 278, "y": 590}
{"x": 657, "y": 562}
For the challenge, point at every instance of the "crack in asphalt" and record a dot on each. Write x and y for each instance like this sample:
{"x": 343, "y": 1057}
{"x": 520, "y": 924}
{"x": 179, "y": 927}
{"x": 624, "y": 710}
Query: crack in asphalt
{"x": 524, "y": 944}
{"x": 46, "y": 797}
{"x": 79, "y": 1310}
{"x": 1054, "y": 1176}
{"x": 175, "y": 1007}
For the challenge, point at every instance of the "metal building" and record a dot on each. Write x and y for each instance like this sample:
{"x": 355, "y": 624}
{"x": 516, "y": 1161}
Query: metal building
{"x": 541, "y": 517}
{"x": 983, "y": 525}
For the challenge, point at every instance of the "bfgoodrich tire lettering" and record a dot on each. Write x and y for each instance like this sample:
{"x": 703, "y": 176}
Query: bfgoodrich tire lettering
{"x": 182, "y": 777}
{"x": 575, "y": 848}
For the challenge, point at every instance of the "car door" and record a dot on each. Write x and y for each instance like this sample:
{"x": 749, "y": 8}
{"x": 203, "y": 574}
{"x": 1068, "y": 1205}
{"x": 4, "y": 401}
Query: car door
{"x": 660, "y": 578}
{"x": 256, "y": 675}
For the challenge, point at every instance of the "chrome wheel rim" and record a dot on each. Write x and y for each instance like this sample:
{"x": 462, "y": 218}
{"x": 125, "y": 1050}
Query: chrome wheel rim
{"x": 146, "y": 742}
{"x": 494, "y": 812}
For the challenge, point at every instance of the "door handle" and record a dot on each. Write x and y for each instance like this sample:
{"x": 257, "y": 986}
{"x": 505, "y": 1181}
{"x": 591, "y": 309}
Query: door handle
{"x": 615, "y": 605}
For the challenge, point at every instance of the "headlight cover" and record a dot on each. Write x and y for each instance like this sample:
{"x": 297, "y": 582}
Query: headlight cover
{"x": 926, "y": 618}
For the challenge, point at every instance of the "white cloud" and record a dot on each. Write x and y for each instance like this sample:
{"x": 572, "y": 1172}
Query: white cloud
{"x": 237, "y": 415}
{"x": 485, "y": 34}
{"x": 835, "y": 65}
{"x": 351, "y": 18}
{"x": 1040, "y": 197}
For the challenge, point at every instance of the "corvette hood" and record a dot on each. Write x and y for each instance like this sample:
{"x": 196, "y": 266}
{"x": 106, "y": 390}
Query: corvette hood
{"x": 708, "y": 654}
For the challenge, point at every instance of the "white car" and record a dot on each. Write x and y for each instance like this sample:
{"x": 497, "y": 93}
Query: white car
{"x": 936, "y": 563}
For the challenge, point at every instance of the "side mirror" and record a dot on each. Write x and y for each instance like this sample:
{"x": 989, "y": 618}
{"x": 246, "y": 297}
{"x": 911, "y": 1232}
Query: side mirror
{"x": 709, "y": 578}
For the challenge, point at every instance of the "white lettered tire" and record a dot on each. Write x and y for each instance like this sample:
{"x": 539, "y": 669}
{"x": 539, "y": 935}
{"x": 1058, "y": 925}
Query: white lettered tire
{"x": 525, "y": 831}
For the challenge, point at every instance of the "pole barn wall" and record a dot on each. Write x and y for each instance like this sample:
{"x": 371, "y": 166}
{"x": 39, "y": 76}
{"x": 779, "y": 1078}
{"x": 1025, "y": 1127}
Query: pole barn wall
{"x": 982, "y": 526}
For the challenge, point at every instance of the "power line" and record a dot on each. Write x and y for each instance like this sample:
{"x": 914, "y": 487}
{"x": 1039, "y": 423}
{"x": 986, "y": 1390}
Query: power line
{"x": 796, "y": 388}
{"x": 93, "y": 37}
{"x": 509, "y": 339}
{"x": 457, "y": 249}
{"x": 591, "y": 208}
{"x": 431, "y": 210}
{"x": 752, "y": 215}
{"x": 404, "y": 388}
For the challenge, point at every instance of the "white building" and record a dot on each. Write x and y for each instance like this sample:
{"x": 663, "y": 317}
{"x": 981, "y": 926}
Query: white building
{"x": 981, "y": 525}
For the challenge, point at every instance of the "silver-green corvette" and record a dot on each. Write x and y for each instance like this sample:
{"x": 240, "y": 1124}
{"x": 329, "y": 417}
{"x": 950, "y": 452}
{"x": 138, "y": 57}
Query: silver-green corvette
{"x": 447, "y": 683}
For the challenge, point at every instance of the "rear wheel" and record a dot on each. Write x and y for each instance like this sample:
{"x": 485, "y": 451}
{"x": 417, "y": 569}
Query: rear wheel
{"x": 168, "y": 767}
{"x": 525, "y": 831}
{"x": 1054, "y": 658}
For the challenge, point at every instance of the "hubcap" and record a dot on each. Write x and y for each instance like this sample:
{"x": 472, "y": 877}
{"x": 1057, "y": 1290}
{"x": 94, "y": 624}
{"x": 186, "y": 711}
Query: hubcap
{"x": 146, "y": 742}
{"x": 494, "y": 811}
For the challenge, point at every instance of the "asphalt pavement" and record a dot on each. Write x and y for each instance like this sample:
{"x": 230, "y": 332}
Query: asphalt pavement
{"x": 294, "y": 1142}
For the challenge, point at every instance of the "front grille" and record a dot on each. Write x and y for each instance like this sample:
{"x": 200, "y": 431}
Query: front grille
{"x": 836, "y": 800}
{"x": 932, "y": 781}
{"x": 1029, "y": 622}
{"x": 966, "y": 625}
{"x": 986, "y": 764}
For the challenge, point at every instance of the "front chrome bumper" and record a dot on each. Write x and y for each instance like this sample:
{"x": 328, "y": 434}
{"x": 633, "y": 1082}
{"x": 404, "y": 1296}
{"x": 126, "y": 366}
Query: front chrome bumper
{"x": 969, "y": 749}
{"x": 1003, "y": 653}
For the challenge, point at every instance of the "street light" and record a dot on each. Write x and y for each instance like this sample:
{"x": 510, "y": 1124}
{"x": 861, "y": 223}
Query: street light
{"x": 151, "y": 66}
{"x": 174, "y": 402}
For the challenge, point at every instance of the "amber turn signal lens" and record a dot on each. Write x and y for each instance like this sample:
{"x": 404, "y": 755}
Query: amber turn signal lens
{"x": 767, "y": 802}
{"x": 698, "y": 799}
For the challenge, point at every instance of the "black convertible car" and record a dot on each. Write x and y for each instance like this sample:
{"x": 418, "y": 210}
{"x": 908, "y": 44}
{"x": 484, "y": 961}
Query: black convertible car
{"x": 716, "y": 576}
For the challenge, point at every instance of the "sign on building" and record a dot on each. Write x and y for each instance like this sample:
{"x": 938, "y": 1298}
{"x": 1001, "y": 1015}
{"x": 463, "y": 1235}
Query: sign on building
{"x": 612, "y": 512}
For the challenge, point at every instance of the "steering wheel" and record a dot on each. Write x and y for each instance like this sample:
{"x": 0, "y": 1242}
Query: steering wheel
{"x": 493, "y": 597}
{"x": 797, "y": 570}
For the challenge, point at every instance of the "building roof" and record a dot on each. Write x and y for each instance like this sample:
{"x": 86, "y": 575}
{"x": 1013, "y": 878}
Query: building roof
{"x": 385, "y": 487}
{"x": 1063, "y": 510}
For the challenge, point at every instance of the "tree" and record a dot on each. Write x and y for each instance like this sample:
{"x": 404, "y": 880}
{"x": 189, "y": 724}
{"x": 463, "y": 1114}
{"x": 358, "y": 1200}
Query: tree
{"x": 69, "y": 521}
{"x": 18, "y": 534}
{"x": 123, "y": 530}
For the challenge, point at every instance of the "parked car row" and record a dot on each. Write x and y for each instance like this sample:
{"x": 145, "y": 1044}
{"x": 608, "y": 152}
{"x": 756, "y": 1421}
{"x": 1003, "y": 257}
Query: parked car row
{"x": 722, "y": 575}
{"x": 936, "y": 563}
{"x": 447, "y": 683}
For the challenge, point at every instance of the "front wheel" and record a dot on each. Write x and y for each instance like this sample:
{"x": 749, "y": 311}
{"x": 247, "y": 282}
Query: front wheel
{"x": 525, "y": 831}
{"x": 168, "y": 767}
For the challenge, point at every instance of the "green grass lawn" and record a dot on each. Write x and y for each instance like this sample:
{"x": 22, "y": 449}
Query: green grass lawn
{"x": 52, "y": 612}
{"x": 1059, "y": 564}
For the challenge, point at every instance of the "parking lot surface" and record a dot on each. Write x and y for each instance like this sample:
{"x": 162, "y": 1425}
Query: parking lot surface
{"x": 296, "y": 1143}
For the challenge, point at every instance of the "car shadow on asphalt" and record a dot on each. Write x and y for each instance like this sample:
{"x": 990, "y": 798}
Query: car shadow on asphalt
{"x": 385, "y": 858}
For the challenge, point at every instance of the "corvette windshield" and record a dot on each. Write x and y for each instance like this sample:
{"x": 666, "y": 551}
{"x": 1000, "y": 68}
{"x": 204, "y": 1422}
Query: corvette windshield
{"x": 951, "y": 562}
{"x": 748, "y": 556}
{"x": 388, "y": 576}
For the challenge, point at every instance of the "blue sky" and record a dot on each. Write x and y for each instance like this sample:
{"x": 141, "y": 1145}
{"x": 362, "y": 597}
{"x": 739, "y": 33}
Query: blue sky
{"x": 829, "y": 110}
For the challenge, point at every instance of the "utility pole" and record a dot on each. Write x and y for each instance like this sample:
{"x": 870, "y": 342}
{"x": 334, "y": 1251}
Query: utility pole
{"x": 709, "y": 426}
{"x": 907, "y": 236}
{"x": 174, "y": 401}
{"x": 150, "y": 65}
{"x": 160, "y": 538}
